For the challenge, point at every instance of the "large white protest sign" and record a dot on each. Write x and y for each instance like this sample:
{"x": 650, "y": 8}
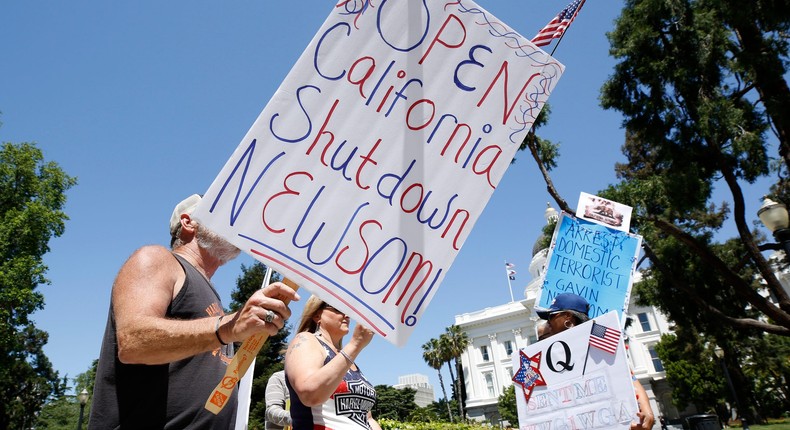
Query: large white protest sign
{"x": 576, "y": 379}
{"x": 593, "y": 261}
{"x": 365, "y": 172}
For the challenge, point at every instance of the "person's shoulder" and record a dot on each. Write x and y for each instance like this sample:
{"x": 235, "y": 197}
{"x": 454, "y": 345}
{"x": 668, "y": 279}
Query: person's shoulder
{"x": 305, "y": 339}
{"x": 304, "y": 335}
{"x": 148, "y": 267}
{"x": 151, "y": 257}
{"x": 154, "y": 250}
{"x": 278, "y": 377}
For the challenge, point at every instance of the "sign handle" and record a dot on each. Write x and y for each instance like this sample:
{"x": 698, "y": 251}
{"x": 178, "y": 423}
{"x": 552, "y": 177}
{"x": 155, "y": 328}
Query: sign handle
{"x": 239, "y": 365}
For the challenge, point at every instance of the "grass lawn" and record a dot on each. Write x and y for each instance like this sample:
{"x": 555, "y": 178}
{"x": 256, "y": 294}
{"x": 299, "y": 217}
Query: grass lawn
{"x": 773, "y": 425}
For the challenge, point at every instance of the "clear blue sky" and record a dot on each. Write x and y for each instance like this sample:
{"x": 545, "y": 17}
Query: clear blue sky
{"x": 144, "y": 102}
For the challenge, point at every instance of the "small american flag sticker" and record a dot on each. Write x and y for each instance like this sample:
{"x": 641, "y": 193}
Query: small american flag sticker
{"x": 604, "y": 338}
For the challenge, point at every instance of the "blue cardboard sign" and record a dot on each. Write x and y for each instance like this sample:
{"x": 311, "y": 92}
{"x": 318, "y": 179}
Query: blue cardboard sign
{"x": 593, "y": 261}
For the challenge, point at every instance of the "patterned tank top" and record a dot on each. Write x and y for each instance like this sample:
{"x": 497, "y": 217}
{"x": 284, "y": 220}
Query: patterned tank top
{"x": 346, "y": 409}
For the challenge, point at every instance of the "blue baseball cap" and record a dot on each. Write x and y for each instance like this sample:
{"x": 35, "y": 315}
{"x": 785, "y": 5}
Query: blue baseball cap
{"x": 565, "y": 302}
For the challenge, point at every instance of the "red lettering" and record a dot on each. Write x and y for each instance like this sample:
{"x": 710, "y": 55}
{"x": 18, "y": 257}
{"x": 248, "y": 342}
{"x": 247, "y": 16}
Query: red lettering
{"x": 420, "y": 265}
{"x": 487, "y": 164}
{"x": 437, "y": 38}
{"x": 364, "y": 244}
{"x": 323, "y": 127}
{"x": 365, "y": 160}
{"x": 456, "y": 246}
{"x": 463, "y": 144}
{"x": 361, "y": 82}
{"x": 506, "y": 111}
{"x": 419, "y": 199}
{"x": 412, "y": 107}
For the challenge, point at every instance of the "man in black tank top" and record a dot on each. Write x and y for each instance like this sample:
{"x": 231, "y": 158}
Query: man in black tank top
{"x": 168, "y": 340}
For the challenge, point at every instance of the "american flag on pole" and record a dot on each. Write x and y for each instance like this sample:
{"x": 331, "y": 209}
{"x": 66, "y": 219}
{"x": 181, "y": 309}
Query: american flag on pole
{"x": 557, "y": 26}
{"x": 604, "y": 338}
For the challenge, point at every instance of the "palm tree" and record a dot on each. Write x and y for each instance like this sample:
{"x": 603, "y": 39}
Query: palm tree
{"x": 456, "y": 343}
{"x": 431, "y": 353}
{"x": 445, "y": 354}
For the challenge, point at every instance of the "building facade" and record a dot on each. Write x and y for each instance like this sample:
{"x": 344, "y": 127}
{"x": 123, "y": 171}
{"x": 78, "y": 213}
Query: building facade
{"x": 495, "y": 334}
{"x": 423, "y": 395}
{"x": 498, "y": 332}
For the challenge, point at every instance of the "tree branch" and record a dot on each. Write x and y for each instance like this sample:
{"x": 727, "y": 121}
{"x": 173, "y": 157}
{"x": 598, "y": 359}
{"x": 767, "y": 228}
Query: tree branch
{"x": 745, "y": 323}
{"x": 732, "y": 278}
{"x": 739, "y": 210}
{"x": 532, "y": 145}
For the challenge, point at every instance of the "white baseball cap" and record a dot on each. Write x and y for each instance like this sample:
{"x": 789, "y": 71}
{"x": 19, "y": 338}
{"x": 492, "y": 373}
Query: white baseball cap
{"x": 186, "y": 206}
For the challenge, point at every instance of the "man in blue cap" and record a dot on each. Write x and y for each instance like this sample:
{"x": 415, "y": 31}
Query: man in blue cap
{"x": 568, "y": 310}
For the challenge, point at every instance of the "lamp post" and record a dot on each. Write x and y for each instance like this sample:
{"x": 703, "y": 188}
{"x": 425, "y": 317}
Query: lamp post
{"x": 720, "y": 355}
{"x": 83, "y": 398}
{"x": 774, "y": 217}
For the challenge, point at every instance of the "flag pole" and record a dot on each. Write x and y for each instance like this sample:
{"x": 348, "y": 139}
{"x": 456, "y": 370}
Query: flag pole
{"x": 566, "y": 29}
{"x": 509, "y": 286}
{"x": 587, "y": 356}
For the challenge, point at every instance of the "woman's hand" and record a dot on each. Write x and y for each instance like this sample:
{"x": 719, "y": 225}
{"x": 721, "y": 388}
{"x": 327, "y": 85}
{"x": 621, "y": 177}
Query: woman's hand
{"x": 646, "y": 421}
{"x": 361, "y": 336}
{"x": 645, "y": 414}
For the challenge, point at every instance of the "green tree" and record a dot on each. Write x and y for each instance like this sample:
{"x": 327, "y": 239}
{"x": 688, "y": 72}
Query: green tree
{"x": 769, "y": 367}
{"x": 87, "y": 379}
{"x": 701, "y": 84}
{"x": 270, "y": 357}
{"x": 454, "y": 342}
{"x": 432, "y": 354}
{"x": 506, "y": 405}
{"x": 62, "y": 413}
{"x": 692, "y": 372}
{"x": 443, "y": 408}
{"x": 445, "y": 354}
{"x": 698, "y": 103}
{"x": 32, "y": 196}
{"x": 423, "y": 415}
{"x": 393, "y": 403}
{"x": 59, "y": 414}
{"x": 693, "y": 327}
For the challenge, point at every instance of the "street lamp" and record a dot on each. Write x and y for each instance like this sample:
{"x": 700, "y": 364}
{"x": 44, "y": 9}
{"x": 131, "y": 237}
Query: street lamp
{"x": 720, "y": 355}
{"x": 83, "y": 398}
{"x": 774, "y": 217}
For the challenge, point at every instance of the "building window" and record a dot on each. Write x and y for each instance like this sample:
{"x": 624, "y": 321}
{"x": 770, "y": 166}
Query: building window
{"x": 644, "y": 322}
{"x": 490, "y": 383}
{"x": 654, "y": 357}
{"x": 484, "y": 352}
{"x": 509, "y": 371}
{"x": 508, "y": 348}
{"x": 532, "y": 339}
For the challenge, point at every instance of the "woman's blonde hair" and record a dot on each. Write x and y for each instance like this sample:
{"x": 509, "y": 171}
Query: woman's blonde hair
{"x": 311, "y": 307}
